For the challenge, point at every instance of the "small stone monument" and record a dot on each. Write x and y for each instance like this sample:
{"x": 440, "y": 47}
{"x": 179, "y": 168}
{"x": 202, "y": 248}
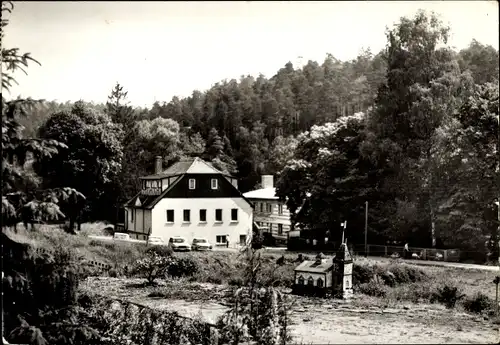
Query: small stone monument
{"x": 342, "y": 272}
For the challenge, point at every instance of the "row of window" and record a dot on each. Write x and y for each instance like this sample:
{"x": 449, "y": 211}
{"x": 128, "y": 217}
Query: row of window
{"x": 186, "y": 215}
{"x": 319, "y": 282}
{"x": 214, "y": 183}
{"x": 268, "y": 207}
{"x": 310, "y": 281}
{"x": 270, "y": 227}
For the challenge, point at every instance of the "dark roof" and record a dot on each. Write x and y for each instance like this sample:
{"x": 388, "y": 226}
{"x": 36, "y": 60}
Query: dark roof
{"x": 313, "y": 267}
{"x": 192, "y": 165}
{"x": 149, "y": 201}
{"x": 343, "y": 254}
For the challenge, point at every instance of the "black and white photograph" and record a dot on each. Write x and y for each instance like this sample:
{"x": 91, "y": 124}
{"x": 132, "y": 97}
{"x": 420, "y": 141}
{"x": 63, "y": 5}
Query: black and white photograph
{"x": 250, "y": 172}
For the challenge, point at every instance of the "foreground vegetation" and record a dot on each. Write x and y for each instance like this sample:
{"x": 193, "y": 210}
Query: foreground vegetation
{"x": 391, "y": 283}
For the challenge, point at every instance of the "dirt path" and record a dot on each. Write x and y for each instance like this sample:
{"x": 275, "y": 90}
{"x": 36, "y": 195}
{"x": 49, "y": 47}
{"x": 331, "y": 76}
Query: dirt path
{"x": 334, "y": 322}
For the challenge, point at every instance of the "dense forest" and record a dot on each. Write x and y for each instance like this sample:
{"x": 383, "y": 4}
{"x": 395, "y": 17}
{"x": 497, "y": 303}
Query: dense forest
{"x": 411, "y": 129}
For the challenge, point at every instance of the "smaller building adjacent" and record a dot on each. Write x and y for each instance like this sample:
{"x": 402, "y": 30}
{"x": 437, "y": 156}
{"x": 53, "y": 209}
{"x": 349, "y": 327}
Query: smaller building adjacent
{"x": 325, "y": 277}
{"x": 270, "y": 214}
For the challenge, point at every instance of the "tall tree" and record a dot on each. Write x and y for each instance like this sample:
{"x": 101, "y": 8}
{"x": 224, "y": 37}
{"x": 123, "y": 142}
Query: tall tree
{"x": 423, "y": 88}
{"x": 92, "y": 160}
{"x": 21, "y": 196}
{"x": 328, "y": 180}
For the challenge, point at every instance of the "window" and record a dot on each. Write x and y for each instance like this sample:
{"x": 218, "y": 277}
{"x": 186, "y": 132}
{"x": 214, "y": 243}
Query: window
{"x": 319, "y": 282}
{"x": 280, "y": 229}
{"x": 234, "y": 214}
{"x": 269, "y": 208}
{"x": 187, "y": 216}
{"x": 243, "y": 239}
{"x": 261, "y": 207}
{"x": 214, "y": 183}
{"x": 203, "y": 215}
{"x": 218, "y": 215}
{"x": 192, "y": 183}
{"x": 301, "y": 280}
{"x": 132, "y": 215}
{"x": 221, "y": 239}
{"x": 310, "y": 281}
{"x": 280, "y": 209}
{"x": 170, "y": 216}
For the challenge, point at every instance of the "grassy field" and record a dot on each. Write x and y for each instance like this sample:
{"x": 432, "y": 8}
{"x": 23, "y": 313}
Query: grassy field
{"x": 400, "y": 300}
{"x": 390, "y": 282}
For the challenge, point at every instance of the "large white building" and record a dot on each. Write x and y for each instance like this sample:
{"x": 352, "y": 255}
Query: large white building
{"x": 191, "y": 199}
{"x": 270, "y": 214}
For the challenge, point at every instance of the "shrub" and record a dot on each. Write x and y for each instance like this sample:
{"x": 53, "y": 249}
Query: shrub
{"x": 214, "y": 280}
{"x": 373, "y": 289}
{"x": 448, "y": 295}
{"x": 160, "y": 250}
{"x": 478, "y": 303}
{"x": 157, "y": 293}
{"x": 236, "y": 281}
{"x": 153, "y": 266}
{"x": 181, "y": 267}
{"x": 361, "y": 274}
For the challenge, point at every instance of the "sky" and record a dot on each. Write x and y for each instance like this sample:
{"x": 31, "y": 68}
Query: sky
{"x": 158, "y": 50}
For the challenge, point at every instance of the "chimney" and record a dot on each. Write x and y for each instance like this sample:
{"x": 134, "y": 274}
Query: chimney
{"x": 267, "y": 181}
{"x": 158, "y": 164}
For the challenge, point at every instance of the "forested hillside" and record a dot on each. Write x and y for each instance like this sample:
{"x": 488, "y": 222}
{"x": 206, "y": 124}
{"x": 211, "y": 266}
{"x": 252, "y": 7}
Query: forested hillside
{"x": 411, "y": 129}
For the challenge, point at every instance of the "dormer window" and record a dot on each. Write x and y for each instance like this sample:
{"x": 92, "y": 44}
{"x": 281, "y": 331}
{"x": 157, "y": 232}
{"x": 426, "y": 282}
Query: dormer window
{"x": 215, "y": 183}
{"x": 192, "y": 183}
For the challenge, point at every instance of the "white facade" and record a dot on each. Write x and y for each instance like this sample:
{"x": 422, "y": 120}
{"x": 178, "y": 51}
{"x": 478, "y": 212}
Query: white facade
{"x": 215, "y": 232}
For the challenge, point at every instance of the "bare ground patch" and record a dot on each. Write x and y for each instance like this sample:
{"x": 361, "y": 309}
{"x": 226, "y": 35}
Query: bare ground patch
{"x": 316, "y": 320}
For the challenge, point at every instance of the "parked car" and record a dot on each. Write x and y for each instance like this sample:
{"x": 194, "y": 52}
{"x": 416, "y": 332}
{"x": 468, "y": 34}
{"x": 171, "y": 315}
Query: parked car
{"x": 201, "y": 244}
{"x": 179, "y": 244}
{"x": 156, "y": 241}
{"x": 120, "y": 236}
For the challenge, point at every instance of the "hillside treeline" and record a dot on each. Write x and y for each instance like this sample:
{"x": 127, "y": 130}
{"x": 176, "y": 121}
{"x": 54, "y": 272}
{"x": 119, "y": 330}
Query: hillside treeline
{"x": 411, "y": 129}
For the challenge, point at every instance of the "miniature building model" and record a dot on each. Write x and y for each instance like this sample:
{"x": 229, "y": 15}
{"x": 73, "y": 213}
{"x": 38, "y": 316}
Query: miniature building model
{"x": 342, "y": 272}
{"x": 313, "y": 277}
{"x": 324, "y": 278}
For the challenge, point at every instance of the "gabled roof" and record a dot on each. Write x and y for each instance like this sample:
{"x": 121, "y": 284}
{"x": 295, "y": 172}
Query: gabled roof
{"x": 194, "y": 165}
{"x": 343, "y": 254}
{"x": 264, "y": 193}
{"x": 149, "y": 201}
{"x": 311, "y": 266}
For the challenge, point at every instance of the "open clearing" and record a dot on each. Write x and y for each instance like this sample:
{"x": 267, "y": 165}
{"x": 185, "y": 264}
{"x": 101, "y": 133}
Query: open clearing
{"x": 317, "y": 320}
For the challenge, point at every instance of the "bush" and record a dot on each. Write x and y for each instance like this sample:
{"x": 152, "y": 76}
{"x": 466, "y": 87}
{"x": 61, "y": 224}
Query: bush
{"x": 153, "y": 266}
{"x": 182, "y": 267}
{"x": 373, "y": 289}
{"x": 236, "y": 281}
{"x": 478, "y": 303}
{"x": 157, "y": 293}
{"x": 448, "y": 295}
{"x": 361, "y": 274}
{"x": 160, "y": 250}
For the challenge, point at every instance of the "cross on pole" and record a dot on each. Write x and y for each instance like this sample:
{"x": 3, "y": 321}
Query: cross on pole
{"x": 344, "y": 226}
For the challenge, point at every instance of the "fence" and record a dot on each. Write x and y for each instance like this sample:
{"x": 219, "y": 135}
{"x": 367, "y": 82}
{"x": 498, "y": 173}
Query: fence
{"x": 92, "y": 263}
{"x": 452, "y": 255}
